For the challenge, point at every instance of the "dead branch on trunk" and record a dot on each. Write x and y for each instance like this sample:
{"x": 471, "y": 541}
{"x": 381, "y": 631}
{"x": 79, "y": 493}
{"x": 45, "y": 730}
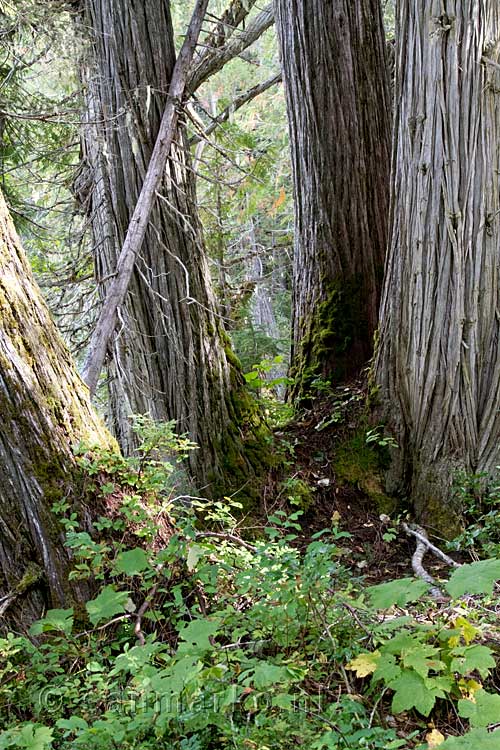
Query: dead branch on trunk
{"x": 236, "y": 104}
{"x": 214, "y": 60}
{"x": 140, "y": 218}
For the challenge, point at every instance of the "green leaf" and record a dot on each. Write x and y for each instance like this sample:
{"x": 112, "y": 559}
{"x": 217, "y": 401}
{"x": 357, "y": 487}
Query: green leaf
{"x": 469, "y": 658}
{"x": 420, "y": 658}
{"x": 483, "y": 710}
{"x": 475, "y": 578}
{"x": 283, "y": 700}
{"x": 387, "y": 669}
{"x": 413, "y": 691}
{"x": 73, "y": 724}
{"x": 477, "y": 739}
{"x": 265, "y": 675}
{"x": 398, "y": 592}
{"x": 133, "y": 659}
{"x": 197, "y": 634}
{"x": 55, "y": 619}
{"x": 194, "y": 554}
{"x": 404, "y": 641}
{"x": 108, "y": 604}
{"x": 33, "y": 737}
{"x": 132, "y": 562}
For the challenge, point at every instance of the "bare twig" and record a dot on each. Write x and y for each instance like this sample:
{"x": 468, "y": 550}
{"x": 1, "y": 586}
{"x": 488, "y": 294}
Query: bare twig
{"x": 236, "y": 104}
{"x": 214, "y": 60}
{"x": 227, "y": 537}
{"x": 141, "y": 612}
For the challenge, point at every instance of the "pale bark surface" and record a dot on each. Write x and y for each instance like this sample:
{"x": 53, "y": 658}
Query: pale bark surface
{"x": 438, "y": 365}
{"x": 117, "y": 288}
{"x": 335, "y": 76}
{"x": 170, "y": 355}
{"x": 45, "y": 411}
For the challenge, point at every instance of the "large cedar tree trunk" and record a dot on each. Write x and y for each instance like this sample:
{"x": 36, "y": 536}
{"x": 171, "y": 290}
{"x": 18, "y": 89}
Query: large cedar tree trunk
{"x": 337, "y": 88}
{"x": 45, "y": 411}
{"x": 170, "y": 357}
{"x": 438, "y": 364}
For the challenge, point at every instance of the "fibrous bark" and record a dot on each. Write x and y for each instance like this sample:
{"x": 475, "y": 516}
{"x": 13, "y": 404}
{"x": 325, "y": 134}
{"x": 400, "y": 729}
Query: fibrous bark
{"x": 335, "y": 75}
{"x": 45, "y": 411}
{"x": 170, "y": 355}
{"x": 438, "y": 365}
{"x": 118, "y": 287}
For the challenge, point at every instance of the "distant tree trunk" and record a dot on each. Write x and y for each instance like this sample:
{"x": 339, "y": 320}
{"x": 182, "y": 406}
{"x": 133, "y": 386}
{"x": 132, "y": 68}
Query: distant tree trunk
{"x": 171, "y": 357}
{"x": 337, "y": 88}
{"x": 45, "y": 410}
{"x": 438, "y": 364}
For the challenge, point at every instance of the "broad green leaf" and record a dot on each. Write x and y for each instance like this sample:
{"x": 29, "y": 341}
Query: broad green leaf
{"x": 404, "y": 641}
{"x": 364, "y": 664}
{"x": 387, "y": 669}
{"x": 132, "y": 562}
{"x": 177, "y": 677}
{"x": 469, "y": 658}
{"x": 398, "y": 592}
{"x": 194, "y": 554}
{"x": 135, "y": 658}
{"x": 477, "y": 739}
{"x": 75, "y": 723}
{"x": 474, "y": 578}
{"x": 483, "y": 710}
{"x": 265, "y": 675}
{"x": 412, "y": 691}
{"x": 108, "y": 604}
{"x": 33, "y": 737}
{"x": 420, "y": 658}
{"x": 55, "y": 619}
{"x": 283, "y": 700}
{"x": 197, "y": 635}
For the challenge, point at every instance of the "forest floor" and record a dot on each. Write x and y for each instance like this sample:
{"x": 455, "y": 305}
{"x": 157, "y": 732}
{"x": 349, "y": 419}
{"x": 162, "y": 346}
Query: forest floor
{"x": 335, "y": 478}
{"x": 333, "y": 474}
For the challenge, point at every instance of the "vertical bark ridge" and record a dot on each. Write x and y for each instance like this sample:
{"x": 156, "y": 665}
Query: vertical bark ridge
{"x": 171, "y": 357}
{"x": 439, "y": 360}
{"x": 45, "y": 411}
{"x": 337, "y": 87}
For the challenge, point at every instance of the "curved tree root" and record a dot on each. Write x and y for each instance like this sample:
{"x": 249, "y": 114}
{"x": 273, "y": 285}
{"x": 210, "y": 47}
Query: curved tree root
{"x": 424, "y": 545}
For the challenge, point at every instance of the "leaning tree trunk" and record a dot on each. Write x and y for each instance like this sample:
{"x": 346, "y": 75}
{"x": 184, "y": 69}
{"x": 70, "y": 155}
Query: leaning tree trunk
{"x": 438, "y": 365}
{"x": 337, "y": 90}
{"x": 45, "y": 410}
{"x": 170, "y": 357}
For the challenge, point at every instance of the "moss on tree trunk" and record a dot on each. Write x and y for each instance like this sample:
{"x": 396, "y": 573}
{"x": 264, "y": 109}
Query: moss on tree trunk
{"x": 171, "y": 357}
{"x": 337, "y": 88}
{"x": 45, "y": 410}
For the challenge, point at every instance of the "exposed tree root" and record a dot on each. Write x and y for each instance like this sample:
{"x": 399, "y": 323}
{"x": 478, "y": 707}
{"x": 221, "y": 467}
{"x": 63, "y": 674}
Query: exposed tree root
{"x": 423, "y": 545}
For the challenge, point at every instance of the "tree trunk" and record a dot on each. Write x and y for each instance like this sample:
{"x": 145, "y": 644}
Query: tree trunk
{"x": 438, "y": 364}
{"x": 336, "y": 82}
{"x": 170, "y": 356}
{"x": 45, "y": 411}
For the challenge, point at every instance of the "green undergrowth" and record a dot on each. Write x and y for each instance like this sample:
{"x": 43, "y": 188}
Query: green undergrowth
{"x": 478, "y": 496}
{"x": 197, "y": 639}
